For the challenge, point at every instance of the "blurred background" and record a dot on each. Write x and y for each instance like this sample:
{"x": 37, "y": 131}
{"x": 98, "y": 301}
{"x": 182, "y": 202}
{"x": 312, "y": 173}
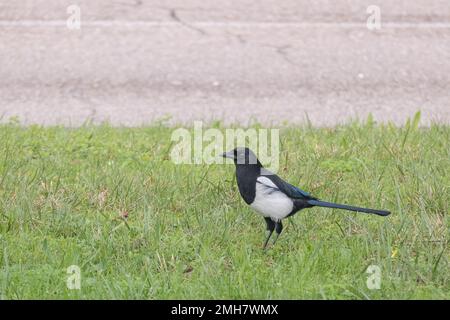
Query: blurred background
{"x": 134, "y": 62}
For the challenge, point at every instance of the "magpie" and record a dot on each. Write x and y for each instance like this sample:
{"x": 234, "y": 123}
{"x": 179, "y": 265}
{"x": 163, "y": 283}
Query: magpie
{"x": 271, "y": 196}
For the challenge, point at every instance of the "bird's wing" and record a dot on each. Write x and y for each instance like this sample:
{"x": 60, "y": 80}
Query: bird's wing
{"x": 266, "y": 182}
{"x": 287, "y": 188}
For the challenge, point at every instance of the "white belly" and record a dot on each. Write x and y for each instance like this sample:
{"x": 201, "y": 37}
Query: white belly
{"x": 273, "y": 204}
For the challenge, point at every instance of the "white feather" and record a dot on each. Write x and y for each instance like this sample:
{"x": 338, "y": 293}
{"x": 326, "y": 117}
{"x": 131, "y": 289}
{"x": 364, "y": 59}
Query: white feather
{"x": 270, "y": 201}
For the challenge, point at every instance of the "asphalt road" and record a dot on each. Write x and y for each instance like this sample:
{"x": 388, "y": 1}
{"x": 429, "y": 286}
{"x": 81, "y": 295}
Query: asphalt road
{"x": 135, "y": 62}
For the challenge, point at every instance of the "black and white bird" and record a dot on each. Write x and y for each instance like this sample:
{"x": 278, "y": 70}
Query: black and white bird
{"x": 272, "y": 197}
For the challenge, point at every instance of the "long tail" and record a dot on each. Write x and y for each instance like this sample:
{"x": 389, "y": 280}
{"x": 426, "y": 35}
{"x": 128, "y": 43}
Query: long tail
{"x": 345, "y": 207}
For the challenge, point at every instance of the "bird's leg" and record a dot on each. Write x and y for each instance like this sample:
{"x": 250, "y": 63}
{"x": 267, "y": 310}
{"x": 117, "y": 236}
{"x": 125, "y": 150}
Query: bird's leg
{"x": 278, "y": 229}
{"x": 270, "y": 226}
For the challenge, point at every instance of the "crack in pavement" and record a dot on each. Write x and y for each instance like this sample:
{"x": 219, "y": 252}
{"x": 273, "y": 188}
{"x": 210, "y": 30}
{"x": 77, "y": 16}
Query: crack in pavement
{"x": 240, "y": 38}
{"x": 173, "y": 14}
{"x": 282, "y": 51}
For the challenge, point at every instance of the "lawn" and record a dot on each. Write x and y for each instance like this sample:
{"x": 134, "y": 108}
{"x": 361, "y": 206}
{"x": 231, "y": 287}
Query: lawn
{"x": 64, "y": 195}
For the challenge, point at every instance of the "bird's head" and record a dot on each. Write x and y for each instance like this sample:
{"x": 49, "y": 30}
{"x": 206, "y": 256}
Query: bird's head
{"x": 242, "y": 156}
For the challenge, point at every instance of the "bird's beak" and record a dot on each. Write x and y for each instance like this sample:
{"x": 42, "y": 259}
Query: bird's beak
{"x": 229, "y": 154}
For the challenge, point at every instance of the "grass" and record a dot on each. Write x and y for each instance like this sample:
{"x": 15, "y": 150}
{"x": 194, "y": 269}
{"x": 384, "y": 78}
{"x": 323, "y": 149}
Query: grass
{"x": 63, "y": 194}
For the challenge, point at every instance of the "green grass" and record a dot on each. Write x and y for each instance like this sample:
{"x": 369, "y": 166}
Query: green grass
{"x": 189, "y": 234}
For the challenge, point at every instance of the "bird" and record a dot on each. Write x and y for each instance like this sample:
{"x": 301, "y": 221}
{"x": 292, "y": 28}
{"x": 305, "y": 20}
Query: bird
{"x": 272, "y": 197}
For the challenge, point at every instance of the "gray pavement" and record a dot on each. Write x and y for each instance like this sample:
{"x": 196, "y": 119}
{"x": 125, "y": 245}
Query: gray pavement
{"x": 135, "y": 62}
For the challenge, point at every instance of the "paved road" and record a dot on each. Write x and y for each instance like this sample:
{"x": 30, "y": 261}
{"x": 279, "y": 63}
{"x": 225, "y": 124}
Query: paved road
{"x": 135, "y": 61}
